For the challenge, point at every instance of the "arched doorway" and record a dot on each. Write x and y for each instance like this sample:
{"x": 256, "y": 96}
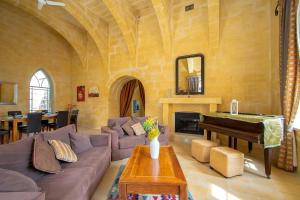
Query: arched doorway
{"x": 127, "y": 97}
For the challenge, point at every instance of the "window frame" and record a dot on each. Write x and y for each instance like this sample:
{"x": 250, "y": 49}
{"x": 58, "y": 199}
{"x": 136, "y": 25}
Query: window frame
{"x": 48, "y": 90}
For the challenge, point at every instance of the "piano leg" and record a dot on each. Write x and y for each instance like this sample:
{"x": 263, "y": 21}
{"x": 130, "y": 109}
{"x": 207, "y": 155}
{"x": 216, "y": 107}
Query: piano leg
{"x": 268, "y": 161}
{"x": 229, "y": 141}
{"x": 235, "y": 143}
{"x": 249, "y": 147}
{"x": 208, "y": 135}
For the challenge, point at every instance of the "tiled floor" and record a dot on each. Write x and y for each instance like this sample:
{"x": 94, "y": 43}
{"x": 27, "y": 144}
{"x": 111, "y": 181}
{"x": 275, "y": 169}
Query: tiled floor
{"x": 205, "y": 183}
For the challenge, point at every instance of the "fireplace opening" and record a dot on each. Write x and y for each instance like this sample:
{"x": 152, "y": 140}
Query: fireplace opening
{"x": 188, "y": 122}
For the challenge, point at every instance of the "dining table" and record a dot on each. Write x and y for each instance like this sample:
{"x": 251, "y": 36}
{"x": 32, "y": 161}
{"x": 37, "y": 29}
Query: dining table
{"x": 22, "y": 118}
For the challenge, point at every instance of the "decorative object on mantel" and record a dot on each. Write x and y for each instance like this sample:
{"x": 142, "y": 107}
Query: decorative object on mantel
{"x": 234, "y": 107}
{"x": 151, "y": 127}
{"x": 93, "y": 92}
{"x": 81, "y": 93}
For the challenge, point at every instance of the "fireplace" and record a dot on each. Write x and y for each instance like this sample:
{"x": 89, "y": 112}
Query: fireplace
{"x": 187, "y": 122}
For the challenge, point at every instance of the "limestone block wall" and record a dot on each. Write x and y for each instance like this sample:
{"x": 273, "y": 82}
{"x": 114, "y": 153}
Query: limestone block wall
{"x": 25, "y": 48}
{"x": 242, "y": 66}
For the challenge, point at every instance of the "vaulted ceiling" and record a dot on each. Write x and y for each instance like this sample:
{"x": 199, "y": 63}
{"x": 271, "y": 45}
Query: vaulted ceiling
{"x": 94, "y": 17}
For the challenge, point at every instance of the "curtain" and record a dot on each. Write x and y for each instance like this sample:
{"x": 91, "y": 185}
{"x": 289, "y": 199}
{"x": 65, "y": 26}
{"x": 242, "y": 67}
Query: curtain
{"x": 126, "y": 97}
{"x": 290, "y": 82}
{"x": 142, "y": 93}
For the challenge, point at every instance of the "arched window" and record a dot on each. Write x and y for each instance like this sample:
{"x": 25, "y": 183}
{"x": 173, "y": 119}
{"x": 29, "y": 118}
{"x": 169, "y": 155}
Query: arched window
{"x": 40, "y": 92}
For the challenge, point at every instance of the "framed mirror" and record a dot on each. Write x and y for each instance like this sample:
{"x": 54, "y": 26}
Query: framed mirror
{"x": 8, "y": 93}
{"x": 190, "y": 74}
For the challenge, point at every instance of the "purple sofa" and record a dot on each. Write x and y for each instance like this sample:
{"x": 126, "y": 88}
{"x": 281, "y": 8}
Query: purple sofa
{"x": 76, "y": 181}
{"x": 122, "y": 146}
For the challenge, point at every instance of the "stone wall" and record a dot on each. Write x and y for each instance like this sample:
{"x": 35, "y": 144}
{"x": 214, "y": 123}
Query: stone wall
{"x": 25, "y": 48}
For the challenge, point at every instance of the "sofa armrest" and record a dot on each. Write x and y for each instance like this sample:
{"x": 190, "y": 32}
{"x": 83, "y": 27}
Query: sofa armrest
{"x": 114, "y": 136}
{"x": 163, "y": 129}
{"x": 22, "y": 195}
{"x": 101, "y": 140}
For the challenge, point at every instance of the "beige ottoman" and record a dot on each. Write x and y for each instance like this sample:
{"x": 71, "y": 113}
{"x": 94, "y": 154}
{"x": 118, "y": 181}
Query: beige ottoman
{"x": 201, "y": 149}
{"x": 227, "y": 161}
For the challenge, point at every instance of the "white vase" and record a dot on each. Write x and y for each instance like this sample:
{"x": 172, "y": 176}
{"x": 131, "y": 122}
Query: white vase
{"x": 154, "y": 148}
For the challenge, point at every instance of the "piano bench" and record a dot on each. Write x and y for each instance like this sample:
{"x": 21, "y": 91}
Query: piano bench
{"x": 201, "y": 149}
{"x": 229, "y": 162}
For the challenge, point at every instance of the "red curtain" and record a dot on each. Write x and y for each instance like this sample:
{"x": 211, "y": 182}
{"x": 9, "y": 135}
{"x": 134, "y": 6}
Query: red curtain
{"x": 126, "y": 97}
{"x": 142, "y": 93}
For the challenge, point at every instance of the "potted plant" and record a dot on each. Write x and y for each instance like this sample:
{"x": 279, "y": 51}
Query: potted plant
{"x": 151, "y": 127}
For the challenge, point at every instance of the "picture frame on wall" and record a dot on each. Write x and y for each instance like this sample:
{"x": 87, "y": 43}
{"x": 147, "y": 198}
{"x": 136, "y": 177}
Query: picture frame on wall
{"x": 136, "y": 106}
{"x": 81, "y": 93}
{"x": 93, "y": 92}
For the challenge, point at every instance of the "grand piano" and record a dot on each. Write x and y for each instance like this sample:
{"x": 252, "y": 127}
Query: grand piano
{"x": 249, "y": 127}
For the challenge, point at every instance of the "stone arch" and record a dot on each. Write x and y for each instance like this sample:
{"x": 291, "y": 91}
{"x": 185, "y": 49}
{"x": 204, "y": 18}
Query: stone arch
{"x": 114, "y": 94}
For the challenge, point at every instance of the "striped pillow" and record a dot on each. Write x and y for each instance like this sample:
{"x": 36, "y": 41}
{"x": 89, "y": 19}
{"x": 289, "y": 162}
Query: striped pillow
{"x": 63, "y": 151}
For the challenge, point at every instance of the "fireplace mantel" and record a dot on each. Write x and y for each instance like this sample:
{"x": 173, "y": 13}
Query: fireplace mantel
{"x": 212, "y": 102}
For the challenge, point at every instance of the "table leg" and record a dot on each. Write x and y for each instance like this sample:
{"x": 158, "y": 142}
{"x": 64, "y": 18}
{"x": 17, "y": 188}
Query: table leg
{"x": 15, "y": 134}
{"x": 249, "y": 147}
{"x": 268, "y": 161}
{"x": 183, "y": 192}
{"x": 208, "y": 135}
{"x": 122, "y": 191}
{"x": 229, "y": 142}
{"x": 235, "y": 143}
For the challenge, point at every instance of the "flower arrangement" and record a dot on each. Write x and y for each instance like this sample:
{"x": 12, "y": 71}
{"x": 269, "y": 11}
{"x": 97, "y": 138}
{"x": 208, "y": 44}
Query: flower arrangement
{"x": 151, "y": 127}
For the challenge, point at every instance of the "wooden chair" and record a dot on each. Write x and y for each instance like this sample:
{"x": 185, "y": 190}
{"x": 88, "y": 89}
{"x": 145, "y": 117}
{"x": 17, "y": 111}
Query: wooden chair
{"x": 3, "y": 133}
{"x": 62, "y": 120}
{"x": 34, "y": 123}
{"x": 73, "y": 118}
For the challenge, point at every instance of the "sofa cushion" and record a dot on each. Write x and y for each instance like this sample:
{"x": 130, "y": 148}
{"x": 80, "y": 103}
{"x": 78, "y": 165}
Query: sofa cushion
{"x": 63, "y": 151}
{"x": 139, "y": 119}
{"x": 61, "y": 134}
{"x": 43, "y": 157}
{"x": 12, "y": 181}
{"x": 80, "y": 143}
{"x": 70, "y": 184}
{"x": 127, "y": 127}
{"x": 17, "y": 156}
{"x": 22, "y": 195}
{"x": 131, "y": 141}
{"x": 138, "y": 129}
{"x": 119, "y": 130}
{"x": 96, "y": 159}
{"x": 117, "y": 121}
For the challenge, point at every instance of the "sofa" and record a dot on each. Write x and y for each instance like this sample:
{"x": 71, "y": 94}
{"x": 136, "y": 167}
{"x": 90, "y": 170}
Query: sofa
{"x": 76, "y": 181}
{"x": 123, "y": 144}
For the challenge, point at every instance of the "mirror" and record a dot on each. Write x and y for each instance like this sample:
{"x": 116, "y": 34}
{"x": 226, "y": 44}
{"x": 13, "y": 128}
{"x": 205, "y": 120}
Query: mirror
{"x": 8, "y": 93}
{"x": 190, "y": 74}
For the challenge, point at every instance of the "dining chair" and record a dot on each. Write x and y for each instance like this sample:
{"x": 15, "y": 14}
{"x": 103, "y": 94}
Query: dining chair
{"x": 3, "y": 133}
{"x": 14, "y": 114}
{"x": 34, "y": 123}
{"x": 45, "y": 122}
{"x": 61, "y": 120}
{"x": 74, "y": 116}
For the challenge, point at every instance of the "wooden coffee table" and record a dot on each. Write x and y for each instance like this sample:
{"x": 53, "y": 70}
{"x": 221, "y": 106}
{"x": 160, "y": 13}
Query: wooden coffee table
{"x": 142, "y": 175}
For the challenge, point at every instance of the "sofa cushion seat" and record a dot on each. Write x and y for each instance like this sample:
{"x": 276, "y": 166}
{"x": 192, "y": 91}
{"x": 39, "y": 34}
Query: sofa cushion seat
{"x": 93, "y": 159}
{"x": 71, "y": 183}
{"x": 131, "y": 141}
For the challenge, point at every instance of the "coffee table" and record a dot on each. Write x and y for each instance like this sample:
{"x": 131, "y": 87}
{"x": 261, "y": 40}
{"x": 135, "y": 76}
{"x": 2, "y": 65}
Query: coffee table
{"x": 142, "y": 175}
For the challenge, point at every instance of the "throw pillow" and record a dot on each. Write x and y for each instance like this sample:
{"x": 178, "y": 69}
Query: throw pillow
{"x": 127, "y": 127}
{"x": 63, "y": 151}
{"x": 44, "y": 157}
{"x": 80, "y": 143}
{"x": 138, "y": 129}
{"x": 119, "y": 130}
{"x": 12, "y": 181}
